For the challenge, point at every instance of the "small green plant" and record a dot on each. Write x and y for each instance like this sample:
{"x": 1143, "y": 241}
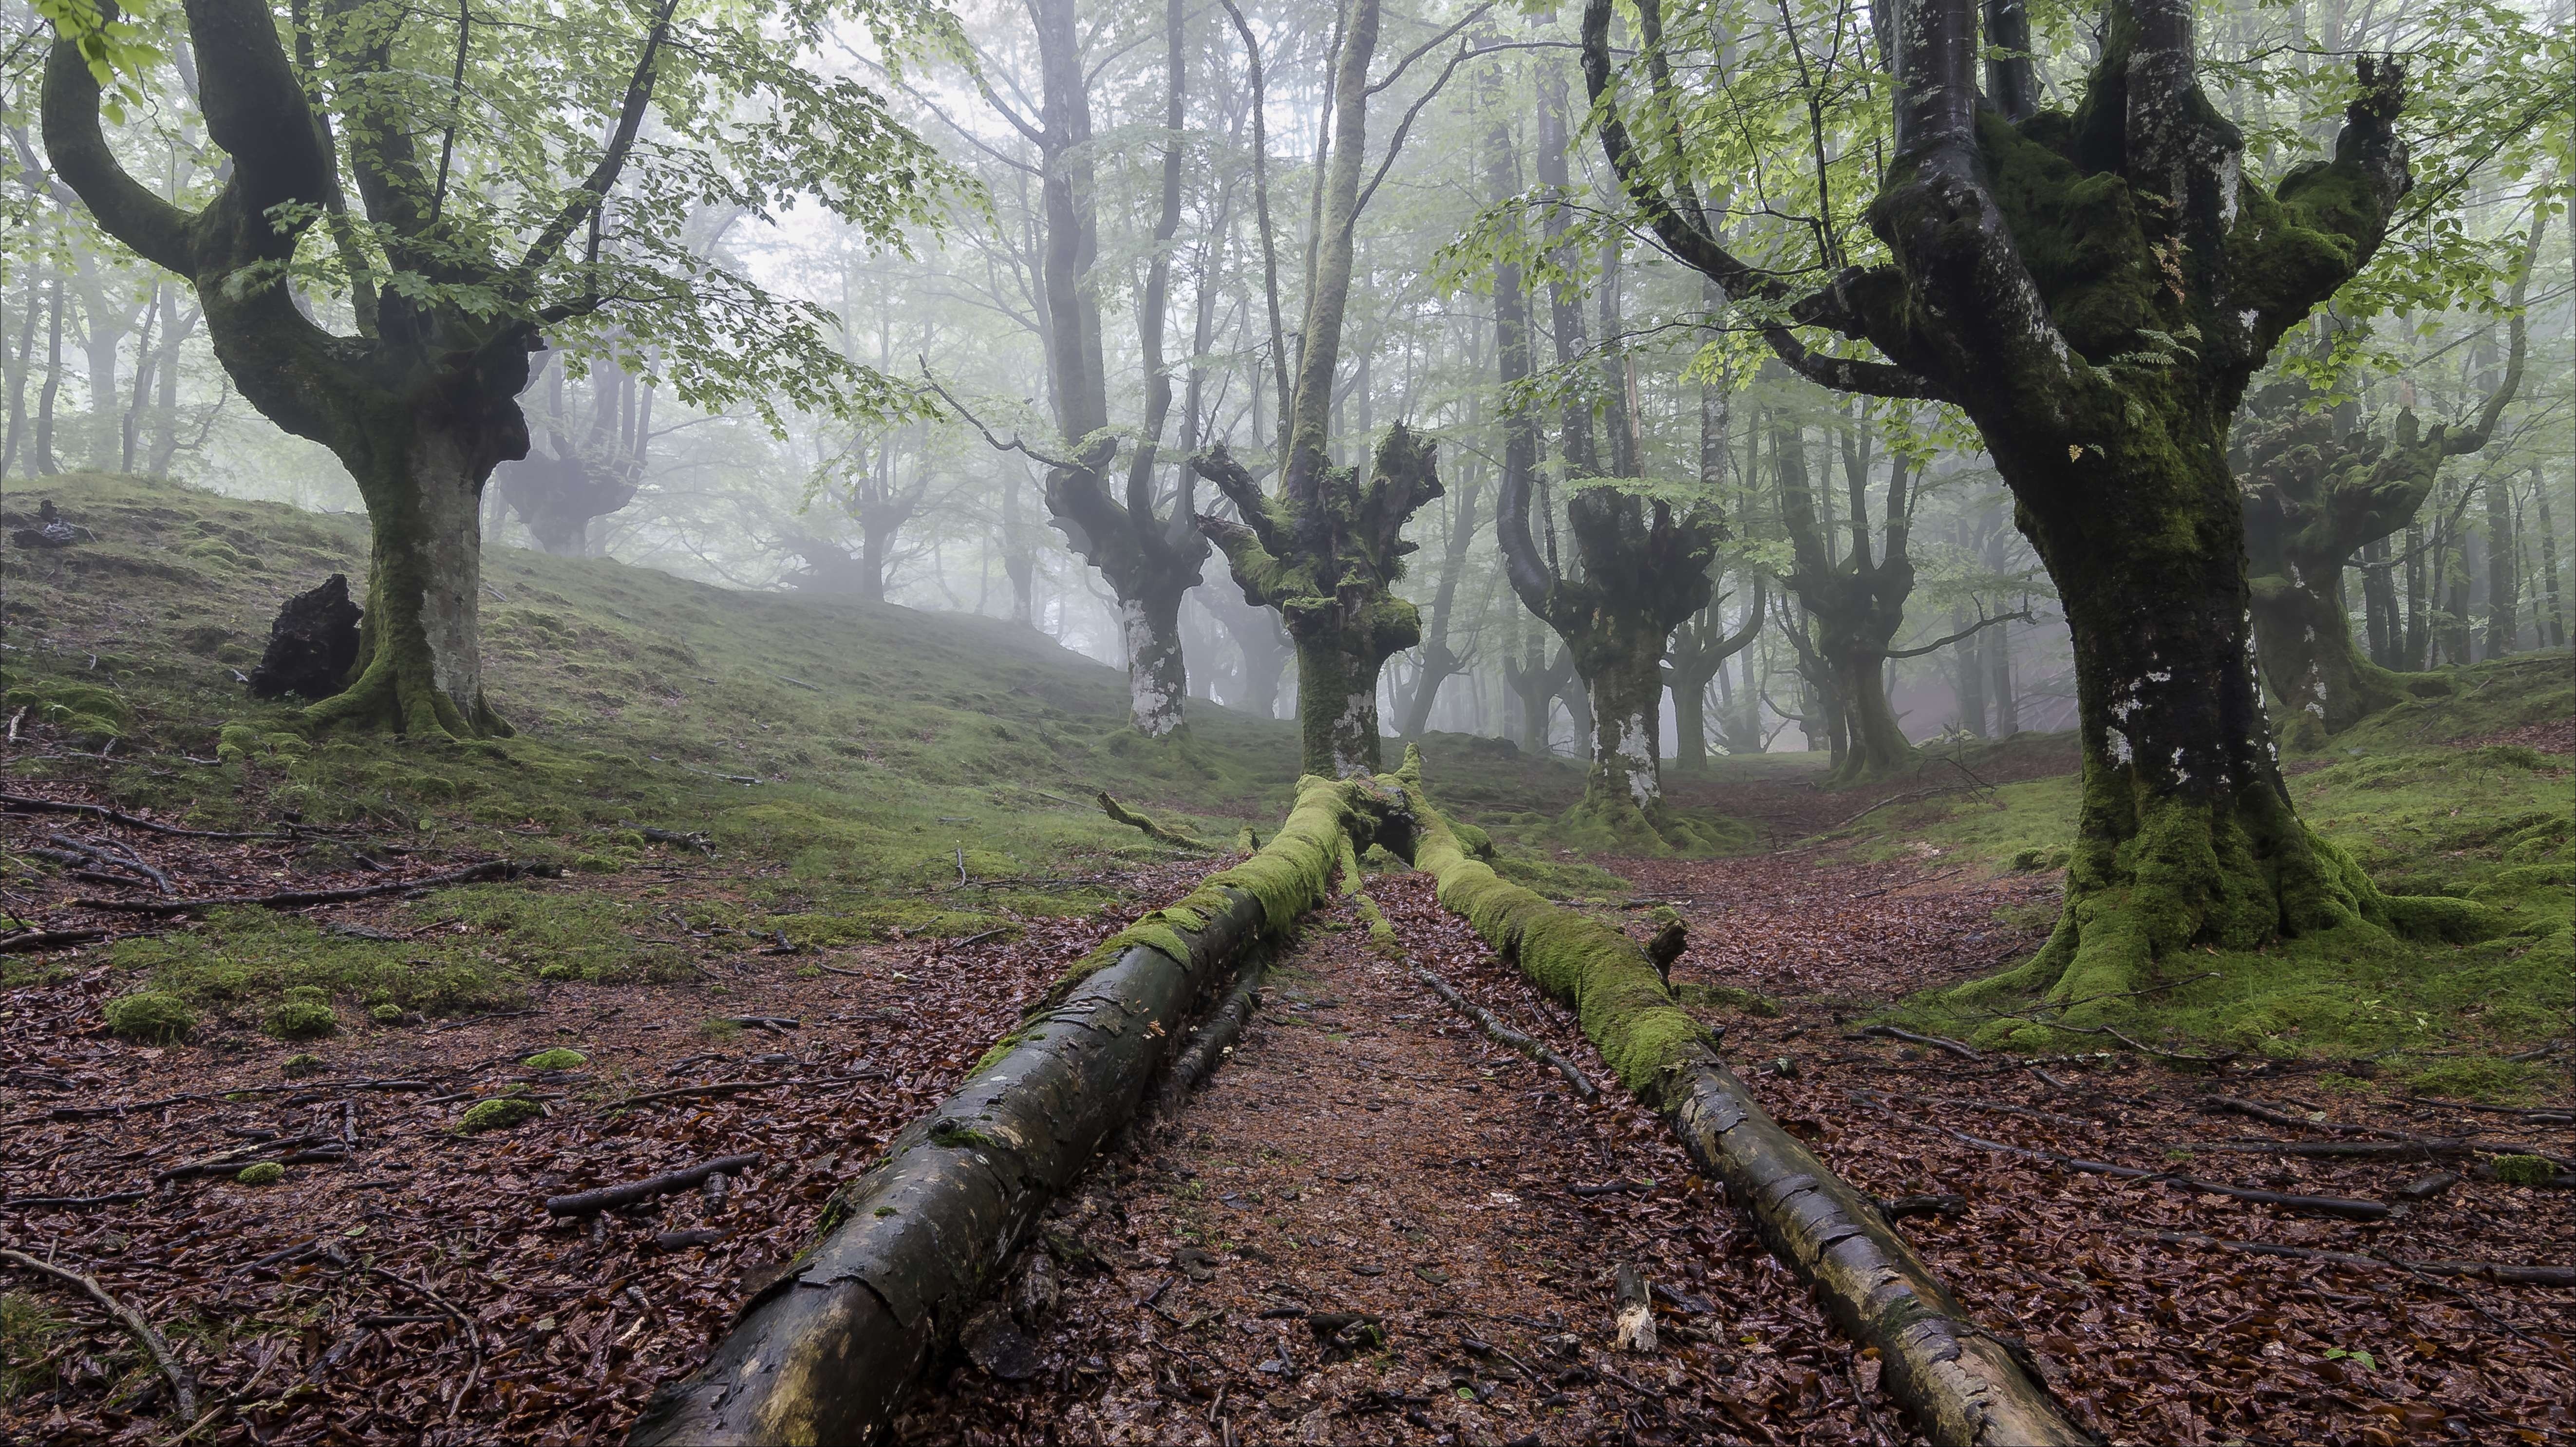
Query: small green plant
{"x": 302, "y": 1064}
{"x": 500, "y": 1113}
{"x": 305, "y": 1014}
{"x": 557, "y": 1058}
{"x": 388, "y": 1013}
{"x": 151, "y": 1015}
{"x": 2524, "y": 1170}
{"x": 261, "y": 1173}
{"x": 28, "y": 1328}
{"x": 2361, "y": 1359}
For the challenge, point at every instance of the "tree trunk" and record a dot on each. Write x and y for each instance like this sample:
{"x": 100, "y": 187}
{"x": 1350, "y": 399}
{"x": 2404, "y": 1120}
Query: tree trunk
{"x": 21, "y": 357}
{"x": 1969, "y": 668}
{"x": 2557, "y": 634}
{"x": 2504, "y": 555}
{"x": 47, "y": 464}
{"x": 1690, "y": 730}
{"x": 1157, "y": 680}
{"x": 420, "y": 662}
{"x": 1875, "y": 745}
{"x": 2007, "y": 703}
{"x": 2304, "y": 646}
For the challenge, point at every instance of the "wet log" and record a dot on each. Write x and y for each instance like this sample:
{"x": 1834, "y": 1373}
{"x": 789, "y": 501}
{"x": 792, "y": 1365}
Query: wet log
{"x": 1961, "y": 1382}
{"x": 826, "y": 1353}
{"x": 1208, "y": 1047}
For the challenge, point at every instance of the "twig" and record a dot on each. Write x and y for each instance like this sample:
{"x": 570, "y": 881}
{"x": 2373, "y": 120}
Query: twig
{"x": 604, "y": 1198}
{"x": 113, "y": 1198}
{"x": 301, "y": 898}
{"x": 1897, "y": 799}
{"x": 1890, "y": 1032}
{"x": 1525, "y": 1044}
{"x": 2484, "y": 1270}
{"x": 182, "y": 1386}
{"x": 473, "y": 1338}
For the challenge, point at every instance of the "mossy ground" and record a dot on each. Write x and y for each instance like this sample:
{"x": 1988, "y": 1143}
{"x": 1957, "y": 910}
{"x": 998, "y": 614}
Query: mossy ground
{"x": 893, "y": 747}
{"x": 2488, "y": 825}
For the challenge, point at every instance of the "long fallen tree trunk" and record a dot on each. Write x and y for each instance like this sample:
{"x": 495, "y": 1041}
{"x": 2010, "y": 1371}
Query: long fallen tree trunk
{"x": 907, "y": 1251}
{"x": 1959, "y": 1381}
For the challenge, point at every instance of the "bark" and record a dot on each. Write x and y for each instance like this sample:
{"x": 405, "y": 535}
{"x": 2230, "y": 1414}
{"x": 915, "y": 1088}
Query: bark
{"x": 2504, "y": 557}
{"x": 2557, "y": 619}
{"x": 19, "y": 361}
{"x": 2100, "y": 342}
{"x": 46, "y": 463}
{"x": 1961, "y": 1383}
{"x": 826, "y": 1353}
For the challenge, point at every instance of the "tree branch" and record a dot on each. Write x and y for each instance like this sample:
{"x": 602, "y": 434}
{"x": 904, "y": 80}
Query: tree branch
{"x": 1982, "y": 624}
{"x": 997, "y": 444}
{"x": 593, "y": 192}
{"x": 124, "y": 208}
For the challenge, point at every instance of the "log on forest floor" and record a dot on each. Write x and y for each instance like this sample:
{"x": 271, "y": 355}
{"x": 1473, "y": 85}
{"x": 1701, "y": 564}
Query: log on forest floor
{"x": 828, "y": 1350}
{"x": 1962, "y": 1383}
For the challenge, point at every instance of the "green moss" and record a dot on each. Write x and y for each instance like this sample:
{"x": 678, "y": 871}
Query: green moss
{"x": 151, "y": 1015}
{"x": 499, "y": 1113}
{"x": 2524, "y": 1170}
{"x": 301, "y": 1064}
{"x": 302, "y": 1016}
{"x": 261, "y": 1173}
{"x": 557, "y": 1058}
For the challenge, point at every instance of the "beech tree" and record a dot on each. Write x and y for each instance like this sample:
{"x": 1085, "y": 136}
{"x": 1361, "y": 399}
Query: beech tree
{"x": 2320, "y": 486}
{"x": 2094, "y": 291}
{"x": 509, "y": 198}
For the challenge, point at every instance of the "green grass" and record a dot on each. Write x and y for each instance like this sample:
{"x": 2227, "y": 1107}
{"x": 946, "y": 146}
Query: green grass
{"x": 2488, "y": 824}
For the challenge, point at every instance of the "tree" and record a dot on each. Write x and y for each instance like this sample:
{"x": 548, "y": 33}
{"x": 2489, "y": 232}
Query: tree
{"x": 1327, "y": 549}
{"x": 2094, "y": 291}
{"x": 2320, "y": 487}
{"x": 1698, "y": 651}
{"x": 584, "y": 471}
{"x": 523, "y": 228}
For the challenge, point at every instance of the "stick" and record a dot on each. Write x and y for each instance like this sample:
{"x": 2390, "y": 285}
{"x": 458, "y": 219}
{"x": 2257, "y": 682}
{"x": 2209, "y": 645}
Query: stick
{"x": 1890, "y": 1032}
{"x": 708, "y": 1092}
{"x": 21, "y": 804}
{"x": 2485, "y": 1270}
{"x": 1898, "y": 799}
{"x": 2403, "y": 1150}
{"x": 182, "y": 1386}
{"x": 606, "y": 1198}
{"x": 300, "y": 898}
{"x": 1527, "y": 1045}
{"x": 113, "y": 1198}
{"x": 49, "y": 939}
{"x": 473, "y": 1338}
{"x": 2347, "y": 1209}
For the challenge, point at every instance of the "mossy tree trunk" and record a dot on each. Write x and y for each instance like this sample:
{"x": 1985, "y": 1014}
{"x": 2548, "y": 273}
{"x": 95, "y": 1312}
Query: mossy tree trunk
{"x": 1327, "y": 549}
{"x": 1855, "y": 602}
{"x": 2094, "y": 291}
{"x": 2321, "y": 485}
{"x": 421, "y": 405}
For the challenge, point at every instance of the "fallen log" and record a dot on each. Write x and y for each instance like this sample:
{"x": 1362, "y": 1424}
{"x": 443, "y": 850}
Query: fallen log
{"x": 609, "y": 1198}
{"x": 1526, "y": 1044}
{"x": 1962, "y": 1383}
{"x": 301, "y": 898}
{"x": 826, "y": 1352}
{"x": 1224, "y": 1025}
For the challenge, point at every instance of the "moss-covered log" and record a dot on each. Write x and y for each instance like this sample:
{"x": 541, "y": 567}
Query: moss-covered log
{"x": 1959, "y": 1380}
{"x": 905, "y": 1253}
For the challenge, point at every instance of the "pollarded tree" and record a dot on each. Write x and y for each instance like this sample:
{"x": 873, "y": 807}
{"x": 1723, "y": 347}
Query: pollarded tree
{"x": 2321, "y": 486}
{"x": 487, "y": 228}
{"x": 585, "y": 470}
{"x": 2094, "y": 291}
{"x": 1327, "y": 549}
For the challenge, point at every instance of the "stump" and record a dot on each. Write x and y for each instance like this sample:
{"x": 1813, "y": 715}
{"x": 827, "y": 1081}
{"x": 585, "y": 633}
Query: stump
{"x": 312, "y": 645}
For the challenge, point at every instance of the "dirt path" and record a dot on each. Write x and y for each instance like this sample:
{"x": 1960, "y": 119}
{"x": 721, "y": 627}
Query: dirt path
{"x": 1365, "y": 1151}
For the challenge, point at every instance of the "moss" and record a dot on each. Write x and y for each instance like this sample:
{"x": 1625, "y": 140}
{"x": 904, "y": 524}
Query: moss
{"x": 301, "y": 1064}
{"x": 151, "y": 1015}
{"x": 303, "y": 1015}
{"x": 2524, "y": 1170}
{"x": 261, "y": 1173}
{"x": 557, "y": 1058}
{"x": 499, "y": 1113}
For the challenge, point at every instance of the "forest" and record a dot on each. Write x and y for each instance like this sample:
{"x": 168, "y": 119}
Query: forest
{"x": 929, "y": 722}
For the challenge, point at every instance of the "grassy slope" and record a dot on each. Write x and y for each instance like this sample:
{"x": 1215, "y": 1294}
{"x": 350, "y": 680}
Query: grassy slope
{"x": 2425, "y": 816}
{"x": 889, "y": 744}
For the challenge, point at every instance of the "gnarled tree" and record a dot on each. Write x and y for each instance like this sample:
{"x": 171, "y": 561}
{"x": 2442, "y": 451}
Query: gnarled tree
{"x": 583, "y": 471}
{"x": 2094, "y": 291}
{"x": 2319, "y": 487}
{"x": 452, "y": 285}
{"x": 1326, "y": 550}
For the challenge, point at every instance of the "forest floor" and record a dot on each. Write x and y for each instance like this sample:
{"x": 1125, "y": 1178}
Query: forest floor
{"x": 916, "y": 856}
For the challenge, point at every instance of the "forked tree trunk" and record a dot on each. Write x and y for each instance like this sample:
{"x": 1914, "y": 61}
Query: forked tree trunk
{"x": 1157, "y": 679}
